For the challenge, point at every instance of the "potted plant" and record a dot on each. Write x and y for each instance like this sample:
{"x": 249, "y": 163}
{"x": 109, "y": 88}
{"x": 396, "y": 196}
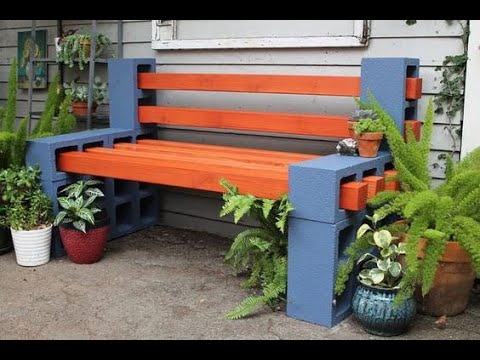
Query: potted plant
{"x": 76, "y": 48}
{"x": 358, "y": 115}
{"x": 369, "y": 134}
{"x": 28, "y": 214}
{"x": 443, "y": 248}
{"x": 374, "y": 302}
{"x": 79, "y": 95}
{"x": 83, "y": 226}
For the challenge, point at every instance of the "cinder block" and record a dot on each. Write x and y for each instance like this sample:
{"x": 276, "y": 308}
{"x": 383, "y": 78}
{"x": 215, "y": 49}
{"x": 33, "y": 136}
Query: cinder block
{"x": 314, "y": 185}
{"x": 124, "y": 93}
{"x": 314, "y": 250}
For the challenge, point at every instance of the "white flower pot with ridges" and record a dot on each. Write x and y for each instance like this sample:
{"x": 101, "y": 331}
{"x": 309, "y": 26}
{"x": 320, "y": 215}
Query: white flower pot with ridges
{"x": 32, "y": 248}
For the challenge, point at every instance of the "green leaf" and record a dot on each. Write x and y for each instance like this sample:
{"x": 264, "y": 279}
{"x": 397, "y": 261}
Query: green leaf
{"x": 64, "y": 203}
{"x": 383, "y": 264}
{"x": 395, "y": 269}
{"x": 364, "y": 274}
{"x": 94, "y": 192}
{"x": 93, "y": 182}
{"x": 80, "y": 225}
{"x": 362, "y": 230}
{"x": 364, "y": 257}
{"x": 387, "y": 251}
{"x": 402, "y": 248}
{"x": 79, "y": 202}
{"x": 86, "y": 214}
{"x": 60, "y": 216}
{"x": 260, "y": 243}
{"x": 382, "y": 238}
{"x": 367, "y": 281}
{"x": 377, "y": 275}
{"x": 267, "y": 207}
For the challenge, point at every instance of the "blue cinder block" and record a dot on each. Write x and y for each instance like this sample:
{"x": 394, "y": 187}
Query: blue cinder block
{"x": 313, "y": 254}
{"x": 314, "y": 185}
{"x": 386, "y": 78}
{"x": 124, "y": 93}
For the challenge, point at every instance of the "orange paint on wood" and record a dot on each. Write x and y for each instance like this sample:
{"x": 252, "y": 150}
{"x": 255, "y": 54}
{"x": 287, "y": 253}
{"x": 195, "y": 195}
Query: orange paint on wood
{"x": 266, "y": 184}
{"x": 391, "y": 184}
{"x": 415, "y": 125}
{"x": 274, "y": 84}
{"x": 301, "y": 124}
{"x": 353, "y": 196}
{"x": 375, "y": 185}
{"x": 226, "y": 150}
{"x": 210, "y": 154}
{"x": 413, "y": 89}
{"x": 188, "y": 159}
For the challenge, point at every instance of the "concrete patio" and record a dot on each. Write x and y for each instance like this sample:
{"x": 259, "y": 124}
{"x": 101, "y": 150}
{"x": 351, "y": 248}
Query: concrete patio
{"x": 163, "y": 283}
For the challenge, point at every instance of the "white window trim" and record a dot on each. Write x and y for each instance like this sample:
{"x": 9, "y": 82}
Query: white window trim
{"x": 164, "y": 38}
{"x": 471, "y": 119}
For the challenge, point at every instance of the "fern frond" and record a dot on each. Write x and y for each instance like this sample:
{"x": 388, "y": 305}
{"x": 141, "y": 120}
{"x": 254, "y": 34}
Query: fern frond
{"x": 465, "y": 231}
{"x": 20, "y": 145}
{"x": 11, "y": 107}
{"x": 246, "y": 307}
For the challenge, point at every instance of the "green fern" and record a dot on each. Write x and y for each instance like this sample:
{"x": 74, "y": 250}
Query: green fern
{"x": 261, "y": 252}
{"x": 20, "y": 144}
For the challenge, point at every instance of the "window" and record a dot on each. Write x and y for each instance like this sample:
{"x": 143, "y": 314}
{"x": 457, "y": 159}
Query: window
{"x": 237, "y": 34}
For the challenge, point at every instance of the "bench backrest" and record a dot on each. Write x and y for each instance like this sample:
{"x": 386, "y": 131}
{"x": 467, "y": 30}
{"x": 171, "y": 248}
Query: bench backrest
{"x": 393, "y": 78}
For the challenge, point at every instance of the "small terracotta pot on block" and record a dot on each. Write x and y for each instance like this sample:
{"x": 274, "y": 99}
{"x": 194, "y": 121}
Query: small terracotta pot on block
{"x": 368, "y": 143}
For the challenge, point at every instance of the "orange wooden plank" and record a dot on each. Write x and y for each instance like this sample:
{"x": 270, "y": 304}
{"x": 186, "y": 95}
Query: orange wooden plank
{"x": 415, "y": 125}
{"x": 259, "y": 183}
{"x": 391, "y": 184}
{"x": 209, "y": 154}
{"x": 353, "y": 196}
{"x": 227, "y": 150}
{"x": 413, "y": 89}
{"x": 187, "y": 159}
{"x": 275, "y": 84}
{"x": 302, "y": 124}
{"x": 375, "y": 185}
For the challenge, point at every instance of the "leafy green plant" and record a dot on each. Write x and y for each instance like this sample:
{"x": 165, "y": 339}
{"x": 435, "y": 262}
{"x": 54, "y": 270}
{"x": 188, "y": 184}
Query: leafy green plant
{"x": 360, "y": 114}
{"x": 79, "y": 206}
{"x": 80, "y": 92}
{"x": 26, "y": 205}
{"x": 382, "y": 270}
{"x": 74, "y": 48}
{"x": 368, "y": 125}
{"x": 261, "y": 252}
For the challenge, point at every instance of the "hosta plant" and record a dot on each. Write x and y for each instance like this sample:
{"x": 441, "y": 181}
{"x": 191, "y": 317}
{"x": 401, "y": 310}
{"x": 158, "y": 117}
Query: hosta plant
{"x": 79, "y": 205}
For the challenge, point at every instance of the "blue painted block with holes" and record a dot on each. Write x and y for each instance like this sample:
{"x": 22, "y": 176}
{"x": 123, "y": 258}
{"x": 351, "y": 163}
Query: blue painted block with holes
{"x": 314, "y": 250}
{"x": 314, "y": 185}
{"x": 124, "y": 93}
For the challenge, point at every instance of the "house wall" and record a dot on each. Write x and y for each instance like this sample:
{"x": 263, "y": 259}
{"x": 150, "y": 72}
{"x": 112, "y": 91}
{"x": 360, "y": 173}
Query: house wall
{"x": 429, "y": 40}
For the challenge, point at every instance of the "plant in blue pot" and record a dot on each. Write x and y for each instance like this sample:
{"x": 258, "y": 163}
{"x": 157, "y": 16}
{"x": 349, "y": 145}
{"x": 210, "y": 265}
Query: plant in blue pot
{"x": 379, "y": 256}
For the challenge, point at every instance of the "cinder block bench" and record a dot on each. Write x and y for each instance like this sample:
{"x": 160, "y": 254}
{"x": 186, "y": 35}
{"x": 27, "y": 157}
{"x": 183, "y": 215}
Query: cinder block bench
{"x": 329, "y": 193}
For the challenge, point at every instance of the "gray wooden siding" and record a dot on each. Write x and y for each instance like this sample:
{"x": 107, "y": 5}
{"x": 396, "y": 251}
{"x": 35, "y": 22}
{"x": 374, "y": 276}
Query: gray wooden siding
{"x": 429, "y": 40}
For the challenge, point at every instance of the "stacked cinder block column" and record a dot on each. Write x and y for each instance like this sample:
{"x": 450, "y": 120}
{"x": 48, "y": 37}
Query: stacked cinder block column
{"x": 319, "y": 231}
{"x": 130, "y": 205}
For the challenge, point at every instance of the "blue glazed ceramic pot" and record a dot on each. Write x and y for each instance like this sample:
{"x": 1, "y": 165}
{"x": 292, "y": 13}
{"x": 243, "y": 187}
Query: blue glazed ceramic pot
{"x": 374, "y": 310}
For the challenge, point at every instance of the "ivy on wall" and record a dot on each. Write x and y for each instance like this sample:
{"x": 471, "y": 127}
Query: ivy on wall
{"x": 451, "y": 96}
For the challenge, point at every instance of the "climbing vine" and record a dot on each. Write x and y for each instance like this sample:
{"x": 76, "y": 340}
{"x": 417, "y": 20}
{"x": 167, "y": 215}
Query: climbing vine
{"x": 450, "y": 99}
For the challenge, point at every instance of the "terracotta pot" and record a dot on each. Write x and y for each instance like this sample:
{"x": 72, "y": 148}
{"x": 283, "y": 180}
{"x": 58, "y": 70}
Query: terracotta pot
{"x": 81, "y": 108}
{"x": 452, "y": 285}
{"x": 368, "y": 144}
{"x": 351, "y": 132}
{"x": 85, "y": 248}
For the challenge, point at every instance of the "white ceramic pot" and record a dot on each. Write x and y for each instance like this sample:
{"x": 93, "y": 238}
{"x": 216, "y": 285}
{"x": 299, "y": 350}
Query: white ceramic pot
{"x": 32, "y": 248}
